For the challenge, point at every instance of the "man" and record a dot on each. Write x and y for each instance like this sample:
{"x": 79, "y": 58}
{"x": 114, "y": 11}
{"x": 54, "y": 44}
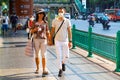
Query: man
{"x": 14, "y": 20}
{"x": 63, "y": 38}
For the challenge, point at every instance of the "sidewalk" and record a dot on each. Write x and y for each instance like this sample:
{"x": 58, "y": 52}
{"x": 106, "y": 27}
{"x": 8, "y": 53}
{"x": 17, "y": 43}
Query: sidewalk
{"x": 15, "y": 65}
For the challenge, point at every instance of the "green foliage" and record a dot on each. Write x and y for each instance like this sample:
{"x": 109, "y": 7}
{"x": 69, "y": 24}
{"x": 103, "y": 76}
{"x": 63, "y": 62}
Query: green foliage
{"x": 6, "y": 1}
{"x": 100, "y": 1}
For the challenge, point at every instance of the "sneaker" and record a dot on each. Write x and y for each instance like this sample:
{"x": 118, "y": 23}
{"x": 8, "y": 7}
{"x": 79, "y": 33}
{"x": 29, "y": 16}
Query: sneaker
{"x": 60, "y": 73}
{"x": 63, "y": 67}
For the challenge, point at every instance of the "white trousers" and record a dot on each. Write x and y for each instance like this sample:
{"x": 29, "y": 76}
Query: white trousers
{"x": 62, "y": 51}
{"x": 40, "y": 46}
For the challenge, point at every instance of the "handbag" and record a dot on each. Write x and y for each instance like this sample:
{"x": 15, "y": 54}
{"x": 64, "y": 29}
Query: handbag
{"x": 56, "y": 32}
{"x": 27, "y": 30}
{"x": 29, "y": 50}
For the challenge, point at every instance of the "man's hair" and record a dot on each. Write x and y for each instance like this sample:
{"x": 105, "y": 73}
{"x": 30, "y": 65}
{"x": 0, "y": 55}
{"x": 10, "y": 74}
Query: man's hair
{"x": 62, "y": 8}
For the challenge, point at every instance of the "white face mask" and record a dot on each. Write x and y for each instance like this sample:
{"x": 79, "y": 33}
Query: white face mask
{"x": 32, "y": 19}
{"x": 60, "y": 14}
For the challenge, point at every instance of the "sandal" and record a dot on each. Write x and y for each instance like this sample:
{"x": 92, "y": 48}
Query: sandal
{"x": 45, "y": 73}
{"x": 36, "y": 72}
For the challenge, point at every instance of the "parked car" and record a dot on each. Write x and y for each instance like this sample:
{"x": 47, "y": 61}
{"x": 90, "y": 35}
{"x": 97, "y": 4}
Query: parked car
{"x": 80, "y": 17}
{"x": 67, "y": 15}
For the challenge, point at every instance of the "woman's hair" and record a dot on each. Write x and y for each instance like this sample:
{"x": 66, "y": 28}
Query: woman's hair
{"x": 44, "y": 17}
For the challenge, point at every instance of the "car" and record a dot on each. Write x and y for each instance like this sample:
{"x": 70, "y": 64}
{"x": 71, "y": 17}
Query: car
{"x": 67, "y": 15}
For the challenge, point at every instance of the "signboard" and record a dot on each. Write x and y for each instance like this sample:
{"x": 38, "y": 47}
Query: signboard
{"x": 84, "y": 3}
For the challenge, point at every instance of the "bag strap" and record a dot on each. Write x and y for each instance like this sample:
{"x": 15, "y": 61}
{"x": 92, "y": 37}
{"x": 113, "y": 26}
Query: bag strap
{"x": 59, "y": 28}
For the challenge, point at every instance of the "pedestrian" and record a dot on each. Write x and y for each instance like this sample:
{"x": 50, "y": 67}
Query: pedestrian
{"x": 14, "y": 21}
{"x": 5, "y": 23}
{"x": 63, "y": 38}
{"x": 30, "y": 26}
{"x": 91, "y": 21}
{"x": 40, "y": 36}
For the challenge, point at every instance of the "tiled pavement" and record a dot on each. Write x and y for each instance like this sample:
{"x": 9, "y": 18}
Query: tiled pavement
{"x": 15, "y": 65}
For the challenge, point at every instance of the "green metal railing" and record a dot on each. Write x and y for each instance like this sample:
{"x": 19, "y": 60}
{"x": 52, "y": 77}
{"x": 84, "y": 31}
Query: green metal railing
{"x": 101, "y": 45}
{"x": 118, "y": 52}
{"x": 104, "y": 46}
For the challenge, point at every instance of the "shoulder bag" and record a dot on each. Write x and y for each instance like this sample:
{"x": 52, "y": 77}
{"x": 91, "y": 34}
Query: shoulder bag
{"x": 57, "y": 32}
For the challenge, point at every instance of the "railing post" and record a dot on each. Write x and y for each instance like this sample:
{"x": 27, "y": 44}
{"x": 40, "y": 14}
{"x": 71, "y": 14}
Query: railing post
{"x": 73, "y": 36}
{"x": 90, "y": 42}
{"x": 118, "y": 52}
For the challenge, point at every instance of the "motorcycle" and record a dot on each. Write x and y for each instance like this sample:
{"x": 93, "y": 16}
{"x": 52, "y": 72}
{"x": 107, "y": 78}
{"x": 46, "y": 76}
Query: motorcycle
{"x": 105, "y": 24}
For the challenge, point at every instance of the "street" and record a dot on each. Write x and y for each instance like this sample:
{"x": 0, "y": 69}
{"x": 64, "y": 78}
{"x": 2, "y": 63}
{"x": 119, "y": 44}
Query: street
{"x": 83, "y": 25}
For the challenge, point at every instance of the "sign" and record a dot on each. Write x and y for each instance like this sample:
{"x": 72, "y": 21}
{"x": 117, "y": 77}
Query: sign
{"x": 84, "y": 3}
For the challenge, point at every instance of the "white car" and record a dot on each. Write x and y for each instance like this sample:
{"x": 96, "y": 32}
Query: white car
{"x": 67, "y": 15}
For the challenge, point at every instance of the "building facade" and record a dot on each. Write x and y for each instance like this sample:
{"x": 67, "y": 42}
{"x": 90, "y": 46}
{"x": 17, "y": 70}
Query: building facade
{"x": 22, "y": 8}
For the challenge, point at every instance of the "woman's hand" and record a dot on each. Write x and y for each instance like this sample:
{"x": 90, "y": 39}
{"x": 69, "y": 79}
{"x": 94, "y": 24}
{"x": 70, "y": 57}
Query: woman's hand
{"x": 34, "y": 30}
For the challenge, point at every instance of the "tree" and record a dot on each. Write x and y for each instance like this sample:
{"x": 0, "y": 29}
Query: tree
{"x": 103, "y": 4}
{"x": 6, "y": 1}
{"x": 4, "y": 6}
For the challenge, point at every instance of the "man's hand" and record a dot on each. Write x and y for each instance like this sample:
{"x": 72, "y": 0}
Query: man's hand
{"x": 70, "y": 44}
{"x": 51, "y": 37}
{"x": 50, "y": 43}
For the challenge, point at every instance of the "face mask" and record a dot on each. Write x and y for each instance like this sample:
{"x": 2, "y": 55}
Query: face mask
{"x": 60, "y": 14}
{"x": 32, "y": 19}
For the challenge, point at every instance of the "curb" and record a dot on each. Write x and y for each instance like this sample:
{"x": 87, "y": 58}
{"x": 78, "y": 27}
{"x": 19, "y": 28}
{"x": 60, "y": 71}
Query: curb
{"x": 106, "y": 64}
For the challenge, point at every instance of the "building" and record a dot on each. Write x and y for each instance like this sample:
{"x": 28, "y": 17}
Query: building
{"x": 22, "y": 8}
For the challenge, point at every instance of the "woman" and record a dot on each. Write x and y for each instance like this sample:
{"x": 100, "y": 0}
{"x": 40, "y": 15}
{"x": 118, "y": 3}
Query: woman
{"x": 40, "y": 36}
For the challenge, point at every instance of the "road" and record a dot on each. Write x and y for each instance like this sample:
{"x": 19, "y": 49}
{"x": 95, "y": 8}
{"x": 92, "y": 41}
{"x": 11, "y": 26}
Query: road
{"x": 83, "y": 25}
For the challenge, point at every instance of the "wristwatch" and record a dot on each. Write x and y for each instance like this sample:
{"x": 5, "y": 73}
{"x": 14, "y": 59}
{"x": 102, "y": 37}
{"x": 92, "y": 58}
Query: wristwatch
{"x": 70, "y": 40}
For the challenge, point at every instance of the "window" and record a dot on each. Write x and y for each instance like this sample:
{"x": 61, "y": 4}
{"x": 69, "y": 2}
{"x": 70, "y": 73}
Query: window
{"x": 25, "y": 11}
{"x": 21, "y": 6}
{"x": 118, "y": 13}
{"x": 27, "y": 6}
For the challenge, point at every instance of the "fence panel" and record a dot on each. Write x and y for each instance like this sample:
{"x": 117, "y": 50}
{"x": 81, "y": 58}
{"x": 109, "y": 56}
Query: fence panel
{"x": 101, "y": 45}
{"x": 104, "y": 46}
